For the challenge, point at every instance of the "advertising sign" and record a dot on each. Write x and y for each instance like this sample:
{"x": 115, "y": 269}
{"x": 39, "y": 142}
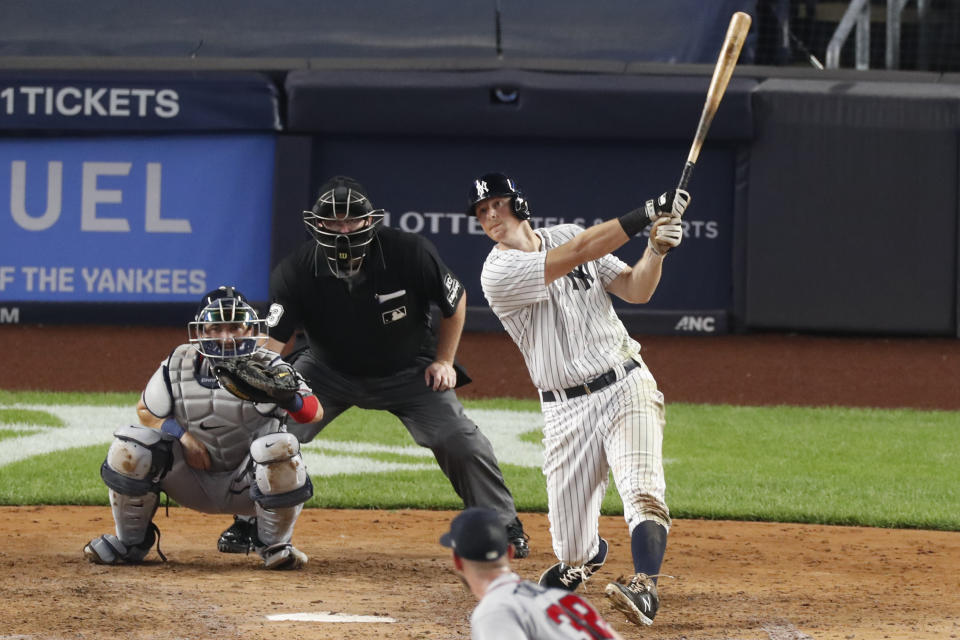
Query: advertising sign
{"x": 145, "y": 219}
{"x": 424, "y": 187}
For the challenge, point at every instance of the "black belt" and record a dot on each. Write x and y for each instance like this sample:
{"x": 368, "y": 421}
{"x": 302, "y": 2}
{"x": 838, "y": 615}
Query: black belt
{"x": 596, "y": 384}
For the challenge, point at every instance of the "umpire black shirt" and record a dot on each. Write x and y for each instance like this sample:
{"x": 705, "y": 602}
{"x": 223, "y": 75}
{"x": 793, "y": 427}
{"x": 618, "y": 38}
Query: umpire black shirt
{"x": 374, "y": 323}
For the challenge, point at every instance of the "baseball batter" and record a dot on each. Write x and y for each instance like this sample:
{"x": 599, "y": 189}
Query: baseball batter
{"x": 206, "y": 448}
{"x": 602, "y": 410}
{"x": 511, "y": 608}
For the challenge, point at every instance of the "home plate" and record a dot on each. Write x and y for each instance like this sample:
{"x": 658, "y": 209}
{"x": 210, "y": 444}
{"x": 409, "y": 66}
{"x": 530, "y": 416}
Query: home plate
{"x": 326, "y": 616}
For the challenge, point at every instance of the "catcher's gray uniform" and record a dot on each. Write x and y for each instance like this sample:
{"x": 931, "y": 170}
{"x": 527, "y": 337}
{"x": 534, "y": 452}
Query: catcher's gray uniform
{"x": 255, "y": 466}
{"x": 516, "y": 609}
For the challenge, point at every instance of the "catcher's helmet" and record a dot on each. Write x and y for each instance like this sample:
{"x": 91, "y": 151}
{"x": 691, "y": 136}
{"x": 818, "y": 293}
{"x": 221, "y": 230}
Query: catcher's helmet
{"x": 497, "y": 185}
{"x": 226, "y": 326}
{"x": 343, "y": 222}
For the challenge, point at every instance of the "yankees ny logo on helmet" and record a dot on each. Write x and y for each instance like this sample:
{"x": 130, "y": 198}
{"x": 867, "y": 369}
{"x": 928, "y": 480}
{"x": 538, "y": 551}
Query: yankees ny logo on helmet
{"x": 497, "y": 185}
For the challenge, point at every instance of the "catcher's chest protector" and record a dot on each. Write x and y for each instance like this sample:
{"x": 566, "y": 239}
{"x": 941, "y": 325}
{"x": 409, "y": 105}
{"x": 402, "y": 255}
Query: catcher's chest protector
{"x": 221, "y": 421}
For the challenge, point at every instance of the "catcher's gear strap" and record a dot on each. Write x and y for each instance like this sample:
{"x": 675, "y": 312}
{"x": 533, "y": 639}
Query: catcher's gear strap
{"x": 289, "y": 499}
{"x": 137, "y": 460}
{"x": 309, "y": 408}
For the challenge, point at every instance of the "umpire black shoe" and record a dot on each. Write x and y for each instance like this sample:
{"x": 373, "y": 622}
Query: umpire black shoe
{"x": 519, "y": 539}
{"x": 563, "y": 576}
{"x": 238, "y": 537}
{"x": 636, "y": 599}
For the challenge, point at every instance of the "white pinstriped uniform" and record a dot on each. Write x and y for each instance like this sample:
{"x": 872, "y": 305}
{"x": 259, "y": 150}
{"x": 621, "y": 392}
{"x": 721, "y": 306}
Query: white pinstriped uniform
{"x": 569, "y": 333}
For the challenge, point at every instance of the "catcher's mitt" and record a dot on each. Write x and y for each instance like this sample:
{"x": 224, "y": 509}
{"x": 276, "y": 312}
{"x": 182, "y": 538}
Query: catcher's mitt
{"x": 249, "y": 379}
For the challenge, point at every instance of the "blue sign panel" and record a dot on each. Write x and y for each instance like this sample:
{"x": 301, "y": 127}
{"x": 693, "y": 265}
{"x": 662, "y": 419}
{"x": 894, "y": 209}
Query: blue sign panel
{"x": 134, "y": 219}
{"x": 424, "y": 186}
{"x": 137, "y": 102}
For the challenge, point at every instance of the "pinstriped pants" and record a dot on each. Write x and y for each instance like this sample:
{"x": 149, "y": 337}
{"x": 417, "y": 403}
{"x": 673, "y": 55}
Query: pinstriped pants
{"x": 620, "y": 429}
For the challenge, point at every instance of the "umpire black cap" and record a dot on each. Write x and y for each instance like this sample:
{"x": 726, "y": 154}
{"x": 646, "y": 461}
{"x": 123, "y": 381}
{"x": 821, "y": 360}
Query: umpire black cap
{"x": 477, "y": 534}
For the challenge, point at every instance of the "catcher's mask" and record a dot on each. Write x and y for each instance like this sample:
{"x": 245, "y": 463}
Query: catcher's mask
{"x": 226, "y": 326}
{"x": 343, "y": 222}
{"x": 497, "y": 185}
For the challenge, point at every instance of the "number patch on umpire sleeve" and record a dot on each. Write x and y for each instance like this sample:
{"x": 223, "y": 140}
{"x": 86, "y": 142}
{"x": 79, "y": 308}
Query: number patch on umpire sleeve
{"x": 273, "y": 316}
{"x": 452, "y": 286}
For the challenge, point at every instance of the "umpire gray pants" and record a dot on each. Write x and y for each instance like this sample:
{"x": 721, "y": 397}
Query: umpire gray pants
{"x": 435, "y": 419}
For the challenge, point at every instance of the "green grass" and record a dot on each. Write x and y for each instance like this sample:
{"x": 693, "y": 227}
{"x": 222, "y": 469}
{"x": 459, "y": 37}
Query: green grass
{"x": 887, "y": 468}
{"x": 28, "y": 416}
{"x": 892, "y": 468}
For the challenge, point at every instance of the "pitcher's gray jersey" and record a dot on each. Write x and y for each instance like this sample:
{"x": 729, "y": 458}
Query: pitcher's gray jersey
{"x": 567, "y": 331}
{"x": 516, "y": 609}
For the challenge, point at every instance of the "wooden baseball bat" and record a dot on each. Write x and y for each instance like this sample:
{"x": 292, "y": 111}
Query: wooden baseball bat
{"x": 729, "y": 52}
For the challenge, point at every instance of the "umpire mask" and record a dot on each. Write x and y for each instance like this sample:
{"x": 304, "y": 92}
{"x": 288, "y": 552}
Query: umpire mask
{"x": 226, "y": 326}
{"x": 343, "y": 222}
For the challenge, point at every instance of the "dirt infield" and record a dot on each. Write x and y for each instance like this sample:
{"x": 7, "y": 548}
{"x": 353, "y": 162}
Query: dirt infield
{"x": 732, "y": 581}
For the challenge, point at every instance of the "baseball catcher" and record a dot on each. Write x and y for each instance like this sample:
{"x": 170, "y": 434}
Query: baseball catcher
{"x": 211, "y": 448}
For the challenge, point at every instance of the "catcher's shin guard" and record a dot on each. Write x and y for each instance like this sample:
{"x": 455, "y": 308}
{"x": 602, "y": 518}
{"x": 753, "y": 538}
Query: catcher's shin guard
{"x": 280, "y": 488}
{"x": 282, "y": 556}
{"x": 108, "y": 549}
{"x": 137, "y": 460}
{"x": 133, "y": 516}
{"x": 275, "y": 526}
{"x": 280, "y": 476}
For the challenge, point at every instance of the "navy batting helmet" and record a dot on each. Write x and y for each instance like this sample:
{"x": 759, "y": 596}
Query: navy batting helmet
{"x": 497, "y": 185}
{"x": 343, "y": 222}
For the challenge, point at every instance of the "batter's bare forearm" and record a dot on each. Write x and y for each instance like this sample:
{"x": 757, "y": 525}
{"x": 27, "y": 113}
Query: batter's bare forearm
{"x": 638, "y": 284}
{"x": 449, "y": 332}
{"x": 590, "y": 244}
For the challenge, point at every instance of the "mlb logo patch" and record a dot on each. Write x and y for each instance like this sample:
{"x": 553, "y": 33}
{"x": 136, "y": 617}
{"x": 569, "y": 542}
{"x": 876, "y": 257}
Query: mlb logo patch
{"x": 394, "y": 314}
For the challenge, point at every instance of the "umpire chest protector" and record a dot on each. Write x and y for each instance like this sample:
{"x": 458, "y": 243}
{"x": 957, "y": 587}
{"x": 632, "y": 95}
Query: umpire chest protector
{"x": 225, "y": 424}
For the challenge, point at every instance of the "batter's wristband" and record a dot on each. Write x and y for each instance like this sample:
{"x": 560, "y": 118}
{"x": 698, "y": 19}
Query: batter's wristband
{"x": 308, "y": 410}
{"x": 633, "y": 222}
{"x": 172, "y": 428}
